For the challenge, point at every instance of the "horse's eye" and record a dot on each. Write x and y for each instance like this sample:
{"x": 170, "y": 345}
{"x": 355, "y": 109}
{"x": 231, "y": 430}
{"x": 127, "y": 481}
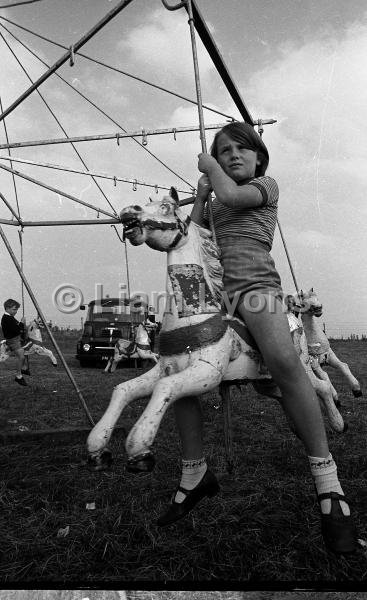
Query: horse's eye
{"x": 165, "y": 209}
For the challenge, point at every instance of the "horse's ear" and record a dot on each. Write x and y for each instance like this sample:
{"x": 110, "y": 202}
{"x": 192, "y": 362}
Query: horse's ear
{"x": 173, "y": 193}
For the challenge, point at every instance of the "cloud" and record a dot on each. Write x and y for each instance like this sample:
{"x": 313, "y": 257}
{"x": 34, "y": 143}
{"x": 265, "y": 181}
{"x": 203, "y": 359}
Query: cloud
{"x": 318, "y": 92}
{"x": 163, "y": 46}
{"x": 315, "y": 239}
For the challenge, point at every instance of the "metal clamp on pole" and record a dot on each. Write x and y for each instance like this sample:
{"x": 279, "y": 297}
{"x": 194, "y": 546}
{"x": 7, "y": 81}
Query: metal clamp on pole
{"x": 72, "y": 55}
{"x": 175, "y": 7}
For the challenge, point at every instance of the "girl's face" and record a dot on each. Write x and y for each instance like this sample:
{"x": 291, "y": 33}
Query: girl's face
{"x": 237, "y": 161}
{"x": 13, "y": 310}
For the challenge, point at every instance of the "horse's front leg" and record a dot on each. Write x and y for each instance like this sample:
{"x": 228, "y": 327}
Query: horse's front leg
{"x": 335, "y": 362}
{"x": 202, "y": 376}
{"x": 323, "y": 390}
{"x": 147, "y": 355}
{"x": 122, "y": 395}
{"x": 117, "y": 357}
{"x": 321, "y": 374}
{"x": 50, "y": 355}
{"x": 108, "y": 365}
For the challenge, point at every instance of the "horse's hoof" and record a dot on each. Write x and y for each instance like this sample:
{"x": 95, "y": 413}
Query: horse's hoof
{"x": 143, "y": 463}
{"x": 357, "y": 393}
{"x": 101, "y": 462}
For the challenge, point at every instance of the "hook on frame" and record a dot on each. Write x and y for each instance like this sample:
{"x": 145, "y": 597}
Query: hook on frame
{"x": 175, "y": 7}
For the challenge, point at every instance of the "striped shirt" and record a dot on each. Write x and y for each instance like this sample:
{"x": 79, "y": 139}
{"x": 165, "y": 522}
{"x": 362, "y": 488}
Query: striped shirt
{"x": 257, "y": 222}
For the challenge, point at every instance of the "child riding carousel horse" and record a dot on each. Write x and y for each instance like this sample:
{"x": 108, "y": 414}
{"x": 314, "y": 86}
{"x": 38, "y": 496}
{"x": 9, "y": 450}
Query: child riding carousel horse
{"x": 198, "y": 350}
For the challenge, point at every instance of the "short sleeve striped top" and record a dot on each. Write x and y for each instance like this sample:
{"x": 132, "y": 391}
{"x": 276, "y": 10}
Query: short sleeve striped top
{"x": 257, "y": 222}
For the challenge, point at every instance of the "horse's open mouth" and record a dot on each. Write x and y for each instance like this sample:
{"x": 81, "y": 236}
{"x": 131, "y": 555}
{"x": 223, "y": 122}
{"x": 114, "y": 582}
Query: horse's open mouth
{"x": 131, "y": 226}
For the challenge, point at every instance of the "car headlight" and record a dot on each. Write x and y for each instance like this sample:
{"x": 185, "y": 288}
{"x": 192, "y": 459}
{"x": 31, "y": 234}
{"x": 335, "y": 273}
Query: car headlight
{"x": 86, "y": 347}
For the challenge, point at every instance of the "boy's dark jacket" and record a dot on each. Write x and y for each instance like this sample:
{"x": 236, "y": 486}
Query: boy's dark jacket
{"x": 11, "y": 327}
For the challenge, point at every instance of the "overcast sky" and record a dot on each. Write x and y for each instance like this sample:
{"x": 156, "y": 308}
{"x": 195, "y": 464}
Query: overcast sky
{"x": 301, "y": 62}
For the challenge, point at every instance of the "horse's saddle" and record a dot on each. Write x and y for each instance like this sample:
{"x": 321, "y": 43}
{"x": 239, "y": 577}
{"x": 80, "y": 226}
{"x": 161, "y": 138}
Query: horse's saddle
{"x": 239, "y": 327}
{"x": 126, "y": 350}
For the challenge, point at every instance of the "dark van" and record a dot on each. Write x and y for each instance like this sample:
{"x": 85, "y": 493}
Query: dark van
{"x": 107, "y": 320}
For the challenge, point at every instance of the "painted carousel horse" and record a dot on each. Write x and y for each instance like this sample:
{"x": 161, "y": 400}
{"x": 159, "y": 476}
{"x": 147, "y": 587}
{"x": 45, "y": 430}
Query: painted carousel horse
{"x": 318, "y": 344}
{"x": 319, "y": 378}
{"x": 140, "y": 347}
{"x": 198, "y": 347}
{"x": 31, "y": 345}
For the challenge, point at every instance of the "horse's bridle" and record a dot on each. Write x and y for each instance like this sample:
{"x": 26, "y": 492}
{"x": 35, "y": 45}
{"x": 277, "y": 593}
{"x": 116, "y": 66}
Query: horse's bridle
{"x": 182, "y": 227}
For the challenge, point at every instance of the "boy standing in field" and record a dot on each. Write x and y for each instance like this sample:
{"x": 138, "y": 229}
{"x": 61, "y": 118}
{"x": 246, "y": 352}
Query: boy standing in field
{"x": 12, "y": 331}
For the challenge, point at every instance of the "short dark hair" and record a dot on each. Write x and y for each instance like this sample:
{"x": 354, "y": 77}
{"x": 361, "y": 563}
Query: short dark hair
{"x": 245, "y": 133}
{"x": 9, "y": 303}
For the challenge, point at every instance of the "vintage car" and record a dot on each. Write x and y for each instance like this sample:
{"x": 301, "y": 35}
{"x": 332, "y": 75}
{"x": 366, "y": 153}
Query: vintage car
{"x": 107, "y": 320}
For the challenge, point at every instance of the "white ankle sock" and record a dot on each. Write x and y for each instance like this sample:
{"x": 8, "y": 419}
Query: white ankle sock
{"x": 325, "y": 474}
{"x": 192, "y": 473}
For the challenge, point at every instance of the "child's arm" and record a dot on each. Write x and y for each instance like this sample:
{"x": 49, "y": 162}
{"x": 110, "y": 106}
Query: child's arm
{"x": 203, "y": 191}
{"x": 226, "y": 190}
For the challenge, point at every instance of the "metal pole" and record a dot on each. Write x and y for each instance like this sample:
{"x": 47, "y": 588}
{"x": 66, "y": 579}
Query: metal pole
{"x": 225, "y": 393}
{"x": 20, "y": 233}
{"x": 68, "y": 55}
{"x": 102, "y": 64}
{"x": 200, "y": 105}
{"x": 288, "y": 257}
{"x": 219, "y": 63}
{"x": 197, "y": 76}
{"x": 80, "y": 222}
{"x": 52, "y": 189}
{"x": 108, "y": 136}
{"x": 11, "y": 210}
{"x": 126, "y": 260}
{"x": 43, "y": 319}
{"x": 127, "y": 271}
{"x": 113, "y": 178}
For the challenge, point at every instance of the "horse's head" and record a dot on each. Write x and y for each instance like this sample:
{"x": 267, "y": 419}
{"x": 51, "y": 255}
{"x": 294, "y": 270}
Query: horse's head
{"x": 310, "y": 303}
{"x": 293, "y": 303}
{"x": 159, "y": 224}
{"x": 33, "y": 330}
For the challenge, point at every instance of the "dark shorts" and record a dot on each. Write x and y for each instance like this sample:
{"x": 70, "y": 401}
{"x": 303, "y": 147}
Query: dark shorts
{"x": 14, "y": 343}
{"x": 248, "y": 267}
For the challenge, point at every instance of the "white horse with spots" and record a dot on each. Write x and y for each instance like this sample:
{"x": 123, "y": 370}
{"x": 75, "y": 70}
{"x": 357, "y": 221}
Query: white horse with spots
{"x": 319, "y": 379}
{"x": 140, "y": 347}
{"x": 199, "y": 346}
{"x": 31, "y": 345}
{"x": 318, "y": 344}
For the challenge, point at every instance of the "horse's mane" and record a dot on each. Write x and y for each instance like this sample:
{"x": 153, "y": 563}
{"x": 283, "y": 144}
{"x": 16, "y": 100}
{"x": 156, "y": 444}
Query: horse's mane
{"x": 210, "y": 253}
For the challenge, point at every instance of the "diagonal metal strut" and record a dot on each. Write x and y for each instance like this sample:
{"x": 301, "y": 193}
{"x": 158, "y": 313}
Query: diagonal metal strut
{"x": 68, "y": 55}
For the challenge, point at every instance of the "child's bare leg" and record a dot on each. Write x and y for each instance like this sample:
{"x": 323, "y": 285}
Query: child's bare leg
{"x": 189, "y": 421}
{"x": 270, "y": 329}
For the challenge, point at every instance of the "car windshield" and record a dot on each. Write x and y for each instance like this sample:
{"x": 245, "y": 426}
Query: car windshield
{"x": 112, "y": 310}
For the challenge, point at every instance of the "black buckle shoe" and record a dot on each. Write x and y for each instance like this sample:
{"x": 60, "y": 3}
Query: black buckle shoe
{"x": 20, "y": 380}
{"x": 338, "y": 530}
{"x": 208, "y": 486}
{"x": 25, "y": 372}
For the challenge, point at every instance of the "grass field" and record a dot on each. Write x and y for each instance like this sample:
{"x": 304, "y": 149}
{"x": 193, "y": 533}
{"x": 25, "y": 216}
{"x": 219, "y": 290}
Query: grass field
{"x": 262, "y": 528}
